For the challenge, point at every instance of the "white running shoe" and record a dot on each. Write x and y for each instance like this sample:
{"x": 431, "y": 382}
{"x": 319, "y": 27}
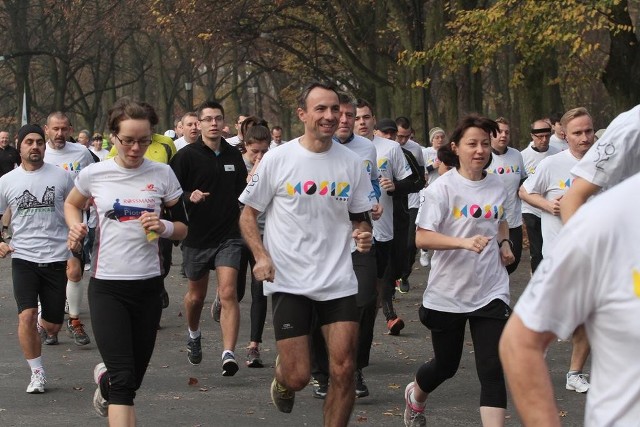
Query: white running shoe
{"x": 425, "y": 259}
{"x": 100, "y": 404}
{"x": 577, "y": 383}
{"x": 413, "y": 415}
{"x": 37, "y": 382}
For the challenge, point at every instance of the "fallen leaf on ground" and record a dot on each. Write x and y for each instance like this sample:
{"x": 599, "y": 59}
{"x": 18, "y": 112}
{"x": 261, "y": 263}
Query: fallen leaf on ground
{"x": 193, "y": 381}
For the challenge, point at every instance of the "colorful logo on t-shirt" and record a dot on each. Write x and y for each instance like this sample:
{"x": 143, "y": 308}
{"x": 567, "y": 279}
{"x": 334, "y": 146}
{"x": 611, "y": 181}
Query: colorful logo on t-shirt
{"x": 636, "y": 282}
{"x": 565, "y": 184}
{"x": 478, "y": 212}
{"x": 383, "y": 164}
{"x": 340, "y": 190}
{"x": 28, "y": 204}
{"x": 501, "y": 170}
{"x": 368, "y": 166}
{"x": 71, "y": 166}
{"x": 129, "y": 212}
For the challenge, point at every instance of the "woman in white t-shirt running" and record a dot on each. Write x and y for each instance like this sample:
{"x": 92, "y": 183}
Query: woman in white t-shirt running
{"x": 462, "y": 220}
{"x": 256, "y": 142}
{"x": 128, "y": 193}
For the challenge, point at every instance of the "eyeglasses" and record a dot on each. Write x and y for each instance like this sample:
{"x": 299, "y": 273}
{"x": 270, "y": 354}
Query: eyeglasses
{"x": 130, "y": 142}
{"x": 209, "y": 119}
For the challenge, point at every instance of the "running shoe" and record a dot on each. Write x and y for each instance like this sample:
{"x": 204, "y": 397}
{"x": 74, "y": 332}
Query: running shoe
{"x": 425, "y": 259}
{"x": 577, "y": 383}
{"x": 45, "y": 338}
{"x": 320, "y": 390}
{"x": 229, "y": 365}
{"x": 37, "y": 382}
{"x": 413, "y": 415}
{"x": 253, "y": 358}
{"x": 361, "y": 387}
{"x": 194, "y": 350}
{"x": 100, "y": 404}
{"x": 395, "y": 326}
{"x": 75, "y": 329}
{"x": 404, "y": 286}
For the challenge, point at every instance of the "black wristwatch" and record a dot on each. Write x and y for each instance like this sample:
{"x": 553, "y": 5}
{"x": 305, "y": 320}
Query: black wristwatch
{"x": 506, "y": 240}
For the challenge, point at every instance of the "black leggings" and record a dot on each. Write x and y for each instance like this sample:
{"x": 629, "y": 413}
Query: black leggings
{"x": 259, "y": 302}
{"x": 124, "y": 318}
{"x": 447, "y": 335}
{"x": 515, "y": 235}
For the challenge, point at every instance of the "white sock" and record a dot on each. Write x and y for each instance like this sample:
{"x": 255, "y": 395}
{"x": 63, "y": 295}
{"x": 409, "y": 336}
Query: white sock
{"x": 194, "y": 334}
{"x": 74, "y": 297}
{"x": 228, "y": 351}
{"x": 35, "y": 364}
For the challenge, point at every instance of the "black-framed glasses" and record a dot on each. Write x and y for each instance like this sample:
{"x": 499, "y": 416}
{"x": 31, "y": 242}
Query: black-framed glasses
{"x": 130, "y": 142}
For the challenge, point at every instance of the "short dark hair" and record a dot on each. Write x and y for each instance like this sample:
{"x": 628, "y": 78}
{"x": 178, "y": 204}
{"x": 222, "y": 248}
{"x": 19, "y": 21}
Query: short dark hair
{"x": 363, "y": 103}
{"x": 555, "y": 117}
{"x": 474, "y": 121}
{"x": 276, "y": 128}
{"x": 403, "y": 122}
{"x": 209, "y": 104}
{"x": 125, "y": 109}
{"x": 302, "y": 99}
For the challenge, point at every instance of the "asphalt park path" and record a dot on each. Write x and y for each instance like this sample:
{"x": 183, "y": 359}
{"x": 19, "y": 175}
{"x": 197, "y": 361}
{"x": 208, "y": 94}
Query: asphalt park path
{"x": 175, "y": 393}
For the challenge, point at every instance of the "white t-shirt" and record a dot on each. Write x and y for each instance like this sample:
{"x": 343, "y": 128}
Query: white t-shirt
{"x": 430, "y": 156}
{"x": 275, "y": 145}
{"x": 180, "y": 143}
{"x": 552, "y": 179}
{"x": 392, "y": 165}
{"x": 615, "y": 156}
{"x": 364, "y": 149}
{"x": 596, "y": 283}
{"x": 367, "y": 153}
{"x": 36, "y": 200}
{"x": 101, "y": 154}
{"x": 234, "y": 140}
{"x": 461, "y": 281}
{"x": 557, "y": 143}
{"x": 121, "y": 249}
{"x": 531, "y": 159}
{"x": 307, "y": 198}
{"x": 413, "y": 199}
{"x": 509, "y": 167}
{"x": 72, "y": 157}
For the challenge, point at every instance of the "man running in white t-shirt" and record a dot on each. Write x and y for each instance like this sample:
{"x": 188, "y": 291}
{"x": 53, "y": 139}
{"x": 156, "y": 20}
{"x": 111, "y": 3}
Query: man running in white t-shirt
{"x": 72, "y": 158}
{"x": 35, "y": 192}
{"x": 591, "y": 277}
{"x": 532, "y": 156}
{"x": 612, "y": 159}
{"x": 544, "y": 189}
{"x": 323, "y": 191}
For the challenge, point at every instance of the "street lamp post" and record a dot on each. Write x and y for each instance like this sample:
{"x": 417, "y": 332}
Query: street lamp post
{"x": 188, "y": 86}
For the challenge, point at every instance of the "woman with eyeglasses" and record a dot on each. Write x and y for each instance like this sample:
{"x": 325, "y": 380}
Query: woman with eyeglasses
{"x": 129, "y": 193}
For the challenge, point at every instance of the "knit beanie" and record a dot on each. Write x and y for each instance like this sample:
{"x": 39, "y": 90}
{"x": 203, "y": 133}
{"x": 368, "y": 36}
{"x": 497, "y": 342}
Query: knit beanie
{"x": 433, "y": 133}
{"x": 26, "y": 130}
